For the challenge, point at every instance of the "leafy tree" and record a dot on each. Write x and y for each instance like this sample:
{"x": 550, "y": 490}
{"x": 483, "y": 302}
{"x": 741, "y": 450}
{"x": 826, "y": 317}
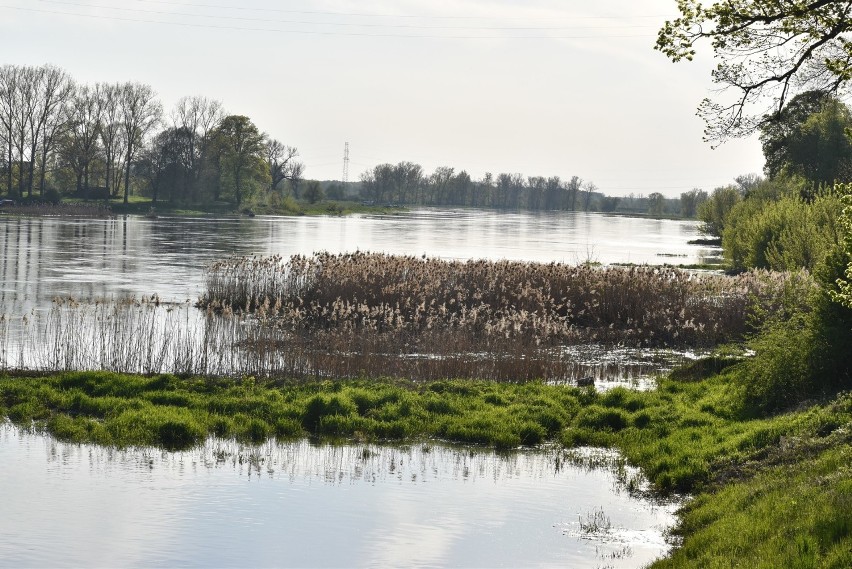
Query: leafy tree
{"x": 164, "y": 162}
{"x": 775, "y": 135}
{"x": 714, "y": 212}
{"x": 689, "y": 202}
{"x": 768, "y": 51}
{"x": 821, "y": 150}
{"x": 241, "y": 147}
{"x": 335, "y": 191}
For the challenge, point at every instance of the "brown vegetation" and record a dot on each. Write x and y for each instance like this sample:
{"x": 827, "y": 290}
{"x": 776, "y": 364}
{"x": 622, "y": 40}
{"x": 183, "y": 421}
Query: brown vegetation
{"x": 490, "y": 301}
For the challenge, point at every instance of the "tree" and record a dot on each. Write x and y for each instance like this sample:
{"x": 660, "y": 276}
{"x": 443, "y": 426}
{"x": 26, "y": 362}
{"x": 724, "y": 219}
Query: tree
{"x": 407, "y": 180}
{"x": 820, "y": 150}
{"x": 690, "y": 201}
{"x": 53, "y": 93}
{"x": 439, "y": 183}
{"x": 163, "y": 162}
{"x": 313, "y": 192}
{"x": 241, "y": 147}
{"x": 79, "y": 145}
{"x": 714, "y": 212}
{"x": 111, "y": 134}
{"x": 775, "y": 135}
{"x": 656, "y": 204}
{"x": 9, "y": 76}
{"x": 573, "y": 187}
{"x": 769, "y": 51}
{"x": 282, "y": 163}
{"x": 377, "y": 184}
{"x": 198, "y": 118}
{"x": 590, "y": 188}
{"x": 140, "y": 111}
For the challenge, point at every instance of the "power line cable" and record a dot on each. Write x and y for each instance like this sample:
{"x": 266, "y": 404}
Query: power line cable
{"x": 316, "y": 32}
{"x": 373, "y": 15}
{"x": 342, "y": 24}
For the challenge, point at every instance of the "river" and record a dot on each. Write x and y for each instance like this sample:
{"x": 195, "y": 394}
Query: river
{"x": 301, "y": 504}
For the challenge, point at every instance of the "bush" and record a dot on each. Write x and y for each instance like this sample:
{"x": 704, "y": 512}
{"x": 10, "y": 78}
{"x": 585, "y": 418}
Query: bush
{"x": 783, "y": 235}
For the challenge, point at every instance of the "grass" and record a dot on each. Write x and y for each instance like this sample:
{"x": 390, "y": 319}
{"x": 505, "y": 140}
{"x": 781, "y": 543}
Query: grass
{"x": 770, "y": 491}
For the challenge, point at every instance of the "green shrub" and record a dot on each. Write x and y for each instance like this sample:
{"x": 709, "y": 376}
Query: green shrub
{"x": 783, "y": 235}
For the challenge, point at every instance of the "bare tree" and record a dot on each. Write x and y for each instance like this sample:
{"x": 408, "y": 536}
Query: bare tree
{"x": 111, "y": 132}
{"x": 282, "y": 162}
{"x": 199, "y": 117}
{"x": 21, "y": 119}
{"x": 53, "y": 94}
{"x": 573, "y": 186}
{"x": 590, "y": 188}
{"x": 84, "y": 118}
{"x": 8, "y": 104}
{"x": 141, "y": 111}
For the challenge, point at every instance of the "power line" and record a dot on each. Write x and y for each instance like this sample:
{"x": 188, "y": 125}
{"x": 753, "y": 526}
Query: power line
{"x": 342, "y": 24}
{"x": 316, "y": 32}
{"x": 372, "y": 15}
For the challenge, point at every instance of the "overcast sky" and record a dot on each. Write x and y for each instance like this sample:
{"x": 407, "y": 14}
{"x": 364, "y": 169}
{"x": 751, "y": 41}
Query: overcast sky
{"x": 539, "y": 87}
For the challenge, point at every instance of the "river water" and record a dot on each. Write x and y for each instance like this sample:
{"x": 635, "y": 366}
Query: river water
{"x": 299, "y": 504}
{"x": 43, "y": 258}
{"x": 304, "y": 505}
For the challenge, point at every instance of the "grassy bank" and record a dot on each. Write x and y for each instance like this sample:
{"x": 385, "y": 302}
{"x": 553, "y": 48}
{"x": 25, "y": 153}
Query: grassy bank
{"x": 770, "y": 492}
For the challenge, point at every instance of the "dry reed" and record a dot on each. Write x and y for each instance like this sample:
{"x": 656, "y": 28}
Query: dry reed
{"x": 477, "y": 302}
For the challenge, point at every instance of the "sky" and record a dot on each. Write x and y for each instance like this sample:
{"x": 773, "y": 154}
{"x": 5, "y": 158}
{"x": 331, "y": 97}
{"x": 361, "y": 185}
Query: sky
{"x": 538, "y": 87}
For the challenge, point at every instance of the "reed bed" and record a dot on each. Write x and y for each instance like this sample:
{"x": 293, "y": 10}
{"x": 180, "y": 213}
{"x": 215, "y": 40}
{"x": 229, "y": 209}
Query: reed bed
{"x": 482, "y": 302}
{"x": 367, "y": 316}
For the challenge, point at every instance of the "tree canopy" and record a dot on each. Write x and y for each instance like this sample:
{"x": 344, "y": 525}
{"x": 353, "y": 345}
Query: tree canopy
{"x": 809, "y": 139}
{"x": 768, "y": 50}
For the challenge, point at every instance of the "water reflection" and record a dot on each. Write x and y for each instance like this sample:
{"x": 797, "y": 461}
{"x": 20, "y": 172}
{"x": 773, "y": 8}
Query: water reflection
{"x": 42, "y": 258}
{"x": 300, "y": 504}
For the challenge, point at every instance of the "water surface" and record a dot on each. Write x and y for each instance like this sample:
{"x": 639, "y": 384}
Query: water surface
{"x": 42, "y": 258}
{"x": 304, "y": 505}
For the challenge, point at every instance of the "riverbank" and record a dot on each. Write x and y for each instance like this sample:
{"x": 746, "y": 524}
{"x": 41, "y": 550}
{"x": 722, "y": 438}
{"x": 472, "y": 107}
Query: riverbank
{"x": 768, "y": 492}
{"x": 145, "y": 207}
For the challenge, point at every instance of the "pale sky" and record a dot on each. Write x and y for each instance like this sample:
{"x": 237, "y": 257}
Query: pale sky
{"x": 539, "y": 87}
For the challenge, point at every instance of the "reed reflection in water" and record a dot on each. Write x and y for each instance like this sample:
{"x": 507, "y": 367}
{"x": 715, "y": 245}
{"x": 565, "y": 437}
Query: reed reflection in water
{"x": 299, "y": 504}
{"x": 148, "y": 336}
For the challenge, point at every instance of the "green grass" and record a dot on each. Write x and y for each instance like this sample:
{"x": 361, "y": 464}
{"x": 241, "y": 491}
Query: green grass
{"x": 772, "y": 491}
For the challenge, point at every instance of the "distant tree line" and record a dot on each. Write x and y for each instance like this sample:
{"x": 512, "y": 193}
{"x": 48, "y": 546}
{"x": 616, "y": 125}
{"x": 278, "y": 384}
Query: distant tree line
{"x": 406, "y": 183}
{"x": 115, "y": 140}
